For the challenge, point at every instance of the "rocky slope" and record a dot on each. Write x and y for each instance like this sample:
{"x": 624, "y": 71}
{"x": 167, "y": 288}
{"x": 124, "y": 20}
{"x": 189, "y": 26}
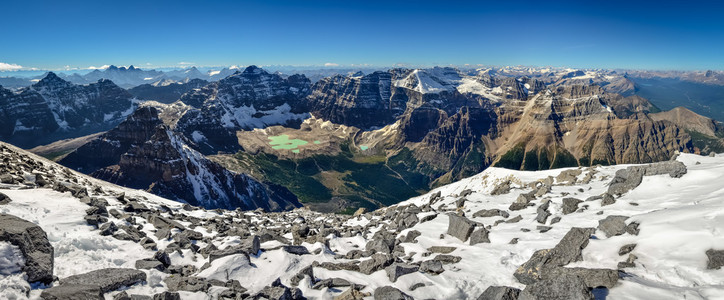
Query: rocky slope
{"x": 53, "y": 108}
{"x": 576, "y": 233}
{"x": 142, "y": 152}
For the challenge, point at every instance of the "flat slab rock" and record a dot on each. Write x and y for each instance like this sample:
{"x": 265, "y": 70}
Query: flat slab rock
{"x": 72, "y": 292}
{"x": 108, "y": 280}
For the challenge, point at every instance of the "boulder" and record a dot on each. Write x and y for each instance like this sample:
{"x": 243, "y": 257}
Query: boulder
{"x": 390, "y": 293}
{"x": 352, "y": 293}
{"x": 307, "y": 271}
{"x": 296, "y": 250}
{"x": 569, "y": 287}
{"x": 33, "y": 243}
{"x": 479, "y": 236}
{"x": 613, "y": 225}
{"x": 109, "y": 279}
{"x": 568, "y": 250}
{"x": 460, "y": 227}
{"x": 570, "y": 205}
{"x": 715, "y": 259}
{"x": 626, "y": 249}
{"x": 376, "y": 263}
{"x": 72, "y": 292}
{"x": 149, "y": 263}
{"x": 331, "y": 283}
{"x": 593, "y": 278}
{"x": 543, "y": 213}
{"x": 4, "y": 199}
{"x": 486, "y": 213}
{"x": 607, "y": 199}
{"x": 167, "y": 296}
{"x": 396, "y": 270}
{"x": 431, "y": 267}
{"x": 500, "y": 293}
{"x": 187, "y": 284}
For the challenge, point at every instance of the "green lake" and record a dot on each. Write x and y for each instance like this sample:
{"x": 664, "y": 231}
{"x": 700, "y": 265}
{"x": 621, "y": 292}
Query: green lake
{"x": 283, "y": 142}
{"x": 364, "y": 147}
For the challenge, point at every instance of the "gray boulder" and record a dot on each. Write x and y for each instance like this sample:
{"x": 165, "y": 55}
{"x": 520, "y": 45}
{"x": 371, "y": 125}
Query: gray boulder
{"x": 613, "y": 225}
{"x": 479, "y": 236}
{"x": 390, "y": 293}
{"x": 396, "y": 270}
{"x": 167, "y": 296}
{"x": 296, "y": 250}
{"x": 568, "y": 287}
{"x": 376, "y": 263}
{"x": 307, "y": 271}
{"x": 188, "y": 284}
{"x": 715, "y": 259}
{"x": 626, "y": 249}
{"x": 568, "y": 250}
{"x": 500, "y": 293}
{"x": 72, "y": 292}
{"x": 4, "y": 199}
{"x": 631, "y": 177}
{"x": 543, "y": 213}
{"x": 486, "y": 213}
{"x": 592, "y": 277}
{"x": 432, "y": 267}
{"x": 570, "y": 205}
{"x": 107, "y": 279}
{"x": 149, "y": 263}
{"x": 460, "y": 227}
{"x": 331, "y": 283}
{"x": 33, "y": 243}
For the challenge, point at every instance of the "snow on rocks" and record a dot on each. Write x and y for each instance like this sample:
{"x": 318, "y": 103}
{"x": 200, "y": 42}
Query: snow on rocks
{"x": 432, "y": 246}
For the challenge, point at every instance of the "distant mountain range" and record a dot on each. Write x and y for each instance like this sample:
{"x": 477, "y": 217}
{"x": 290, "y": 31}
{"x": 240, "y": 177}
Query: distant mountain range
{"x": 347, "y": 140}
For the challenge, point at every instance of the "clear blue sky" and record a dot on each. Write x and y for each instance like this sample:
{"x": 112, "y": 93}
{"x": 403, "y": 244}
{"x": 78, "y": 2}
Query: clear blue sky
{"x": 607, "y": 34}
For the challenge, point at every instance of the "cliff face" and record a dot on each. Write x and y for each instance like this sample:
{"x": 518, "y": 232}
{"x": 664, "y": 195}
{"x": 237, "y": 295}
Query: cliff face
{"x": 581, "y": 126}
{"x": 363, "y": 101}
{"x": 107, "y": 149}
{"x": 242, "y": 101}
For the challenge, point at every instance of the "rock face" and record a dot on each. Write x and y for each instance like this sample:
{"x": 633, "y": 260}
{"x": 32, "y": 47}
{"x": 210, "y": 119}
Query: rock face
{"x": 144, "y": 153}
{"x": 245, "y": 100}
{"x": 34, "y": 244}
{"x": 363, "y": 102}
{"x": 53, "y": 109}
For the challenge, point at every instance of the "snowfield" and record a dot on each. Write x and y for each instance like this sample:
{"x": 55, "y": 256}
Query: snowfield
{"x": 679, "y": 220}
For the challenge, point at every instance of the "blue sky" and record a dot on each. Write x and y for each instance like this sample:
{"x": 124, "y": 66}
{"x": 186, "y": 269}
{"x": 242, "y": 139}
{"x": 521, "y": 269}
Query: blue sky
{"x": 595, "y": 34}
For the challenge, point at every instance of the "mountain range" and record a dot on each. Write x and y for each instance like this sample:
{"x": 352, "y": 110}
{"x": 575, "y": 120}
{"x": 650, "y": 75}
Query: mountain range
{"x": 359, "y": 140}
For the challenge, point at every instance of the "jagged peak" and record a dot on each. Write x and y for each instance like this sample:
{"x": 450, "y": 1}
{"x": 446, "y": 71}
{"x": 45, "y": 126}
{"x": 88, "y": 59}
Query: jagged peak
{"x": 254, "y": 70}
{"x": 52, "y": 79}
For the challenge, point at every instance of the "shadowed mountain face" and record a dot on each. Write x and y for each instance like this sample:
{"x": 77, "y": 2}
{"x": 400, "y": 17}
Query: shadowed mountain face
{"x": 54, "y": 108}
{"x": 144, "y": 153}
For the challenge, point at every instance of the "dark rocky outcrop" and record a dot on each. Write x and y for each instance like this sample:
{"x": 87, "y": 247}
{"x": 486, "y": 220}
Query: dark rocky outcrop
{"x": 34, "y": 245}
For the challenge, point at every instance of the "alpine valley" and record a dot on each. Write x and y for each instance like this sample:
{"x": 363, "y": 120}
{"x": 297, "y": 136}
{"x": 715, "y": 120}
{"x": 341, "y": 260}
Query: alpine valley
{"x": 403, "y": 183}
